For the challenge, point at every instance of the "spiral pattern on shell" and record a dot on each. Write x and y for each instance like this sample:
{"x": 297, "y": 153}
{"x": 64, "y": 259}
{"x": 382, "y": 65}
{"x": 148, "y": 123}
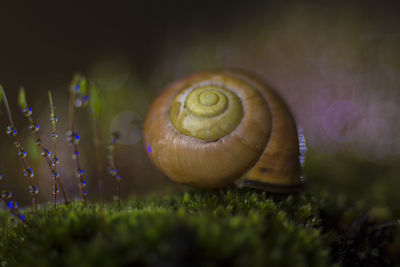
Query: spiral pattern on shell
{"x": 212, "y": 128}
{"x": 207, "y": 112}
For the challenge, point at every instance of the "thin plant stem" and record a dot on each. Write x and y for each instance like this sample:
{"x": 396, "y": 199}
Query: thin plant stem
{"x": 56, "y": 177}
{"x": 53, "y": 119}
{"x": 52, "y": 163}
{"x": 73, "y": 138}
{"x": 113, "y": 170}
{"x": 97, "y": 146}
{"x": 33, "y": 189}
{"x": 95, "y": 104}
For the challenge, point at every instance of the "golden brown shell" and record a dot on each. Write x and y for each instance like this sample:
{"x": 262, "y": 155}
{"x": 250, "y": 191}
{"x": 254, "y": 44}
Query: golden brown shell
{"x": 262, "y": 151}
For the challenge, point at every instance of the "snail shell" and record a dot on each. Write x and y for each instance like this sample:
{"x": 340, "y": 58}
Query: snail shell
{"x": 216, "y": 129}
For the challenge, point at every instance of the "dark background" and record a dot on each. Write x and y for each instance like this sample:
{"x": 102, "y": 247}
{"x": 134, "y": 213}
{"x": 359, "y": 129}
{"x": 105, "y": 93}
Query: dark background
{"x": 44, "y": 43}
{"x": 336, "y": 63}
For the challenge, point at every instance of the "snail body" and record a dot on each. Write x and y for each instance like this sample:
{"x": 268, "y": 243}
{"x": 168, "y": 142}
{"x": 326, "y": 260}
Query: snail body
{"x": 216, "y": 129}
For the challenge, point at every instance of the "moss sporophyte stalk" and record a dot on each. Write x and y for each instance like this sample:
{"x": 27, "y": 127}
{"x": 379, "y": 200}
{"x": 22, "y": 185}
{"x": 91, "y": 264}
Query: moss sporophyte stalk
{"x": 55, "y": 161}
{"x": 52, "y": 162}
{"x": 13, "y": 133}
{"x": 113, "y": 170}
{"x": 79, "y": 97}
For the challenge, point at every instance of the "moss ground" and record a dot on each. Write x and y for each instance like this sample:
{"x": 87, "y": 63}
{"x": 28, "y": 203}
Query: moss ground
{"x": 234, "y": 227}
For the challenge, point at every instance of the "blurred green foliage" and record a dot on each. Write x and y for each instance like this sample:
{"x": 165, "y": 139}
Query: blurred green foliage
{"x": 95, "y": 100}
{"x": 231, "y": 227}
{"x": 22, "y": 98}
{"x": 376, "y": 183}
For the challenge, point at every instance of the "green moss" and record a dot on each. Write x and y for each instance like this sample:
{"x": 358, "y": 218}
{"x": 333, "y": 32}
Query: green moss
{"x": 196, "y": 228}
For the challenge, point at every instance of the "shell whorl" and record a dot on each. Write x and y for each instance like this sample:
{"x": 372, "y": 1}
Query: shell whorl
{"x": 207, "y": 112}
{"x": 214, "y": 129}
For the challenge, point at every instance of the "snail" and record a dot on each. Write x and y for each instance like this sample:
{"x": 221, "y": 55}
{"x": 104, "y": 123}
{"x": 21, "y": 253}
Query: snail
{"x": 220, "y": 128}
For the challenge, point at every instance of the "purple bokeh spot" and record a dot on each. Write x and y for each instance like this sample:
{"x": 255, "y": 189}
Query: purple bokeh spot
{"x": 344, "y": 121}
{"x": 149, "y": 150}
